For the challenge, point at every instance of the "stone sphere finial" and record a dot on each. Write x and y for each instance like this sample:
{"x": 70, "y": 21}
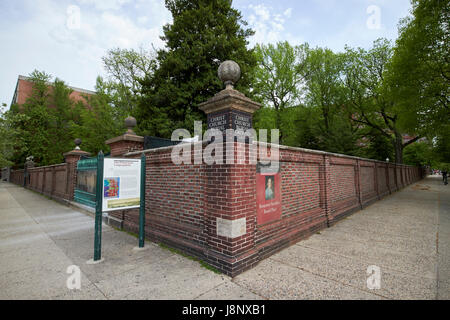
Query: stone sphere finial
{"x": 229, "y": 73}
{"x": 77, "y": 143}
{"x": 130, "y": 123}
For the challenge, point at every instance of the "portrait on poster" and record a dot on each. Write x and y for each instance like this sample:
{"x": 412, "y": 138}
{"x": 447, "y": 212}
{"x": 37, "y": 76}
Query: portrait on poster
{"x": 270, "y": 187}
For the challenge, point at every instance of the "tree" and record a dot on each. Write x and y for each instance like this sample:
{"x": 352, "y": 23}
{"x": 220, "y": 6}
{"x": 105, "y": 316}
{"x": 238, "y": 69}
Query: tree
{"x": 11, "y": 136}
{"x": 420, "y": 67}
{"x": 325, "y": 91}
{"x": 44, "y": 121}
{"x": 101, "y": 121}
{"x": 419, "y": 154}
{"x": 127, "y": 68}
{"x": 37, "y": 128}
{"x": 369, "y": 95}
{"x": 203, "y": 34}
{"x": 375, "y": 145}
{"x": 278, "y": 78}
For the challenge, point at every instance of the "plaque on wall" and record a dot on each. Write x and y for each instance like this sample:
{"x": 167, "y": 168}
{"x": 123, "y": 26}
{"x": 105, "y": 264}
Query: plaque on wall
{"x": 268, "y": 194}
{"x": 230, "y": 119}
{"x": 219, "y": 121}
{"x": 241, "y": 120}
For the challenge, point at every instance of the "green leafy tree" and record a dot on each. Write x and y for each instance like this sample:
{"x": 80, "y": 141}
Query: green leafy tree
{"x": 277, "y": 80}
{"x": 324, "y": 73}
{"x": 419, "y": 154}
{"x": 203, "y": 34}
{"x": 126, "y": 69}
{"x": 45, "y": 121}
{"x": 369, "y": 95}
{"x": 12, "y": 142}
{"x": 307, "y": 128}
{"x": 420, "y": 75}
{"x": 441, "y": 148}
{"x": 374, "y": 145}
{"x": 38, "y": 126}
{"x": 100, "y": 121}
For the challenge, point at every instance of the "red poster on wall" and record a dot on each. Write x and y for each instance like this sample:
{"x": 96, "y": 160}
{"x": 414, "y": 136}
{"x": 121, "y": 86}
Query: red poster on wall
{"x": 268, "y": 194}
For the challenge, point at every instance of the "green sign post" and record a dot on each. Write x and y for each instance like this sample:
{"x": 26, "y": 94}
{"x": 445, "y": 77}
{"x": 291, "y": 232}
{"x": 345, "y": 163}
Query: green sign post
{"x": 98, "y": 208}
{"x": 108, "y": 187}
{"x": 142, "y": 205}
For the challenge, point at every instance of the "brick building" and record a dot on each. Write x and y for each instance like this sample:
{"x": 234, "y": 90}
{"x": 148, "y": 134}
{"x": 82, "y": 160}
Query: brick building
{"x": 24, "y": 88}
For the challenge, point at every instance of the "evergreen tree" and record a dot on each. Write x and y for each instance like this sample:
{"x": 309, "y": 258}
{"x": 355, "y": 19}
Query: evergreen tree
{"x": 203, "y": 34}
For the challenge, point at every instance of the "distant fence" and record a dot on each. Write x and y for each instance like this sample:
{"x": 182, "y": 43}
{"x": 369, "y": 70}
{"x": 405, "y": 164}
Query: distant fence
{"x": 55, "y": 181}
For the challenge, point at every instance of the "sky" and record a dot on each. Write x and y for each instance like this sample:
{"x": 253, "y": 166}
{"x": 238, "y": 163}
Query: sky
{"x": 68, "y": 38}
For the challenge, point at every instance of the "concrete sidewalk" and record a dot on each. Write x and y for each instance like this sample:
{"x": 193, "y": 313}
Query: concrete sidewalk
{"x": 406, "y": 235}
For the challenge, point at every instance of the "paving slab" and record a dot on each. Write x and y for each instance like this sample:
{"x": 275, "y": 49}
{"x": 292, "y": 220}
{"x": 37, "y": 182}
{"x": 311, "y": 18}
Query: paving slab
{"x": 278, "y": 281}
{"x": 229, "y": 291}
{"x": 353, "y": 272}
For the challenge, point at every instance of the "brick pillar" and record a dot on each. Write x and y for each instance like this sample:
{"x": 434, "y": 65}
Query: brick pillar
{"x": 395, "y": 177}
{"x": 28, "y": 165}
{"x": 230, "y": 221}
{"x": 127, "y": 142}
{"x": 375, "y": 180}
{"x": 326, "y": 190}
{"x": 71, "y": 158}
{"x": 231, "y": 217}
{"x": 387, "y": 178}
{"x": 358, "y": 183}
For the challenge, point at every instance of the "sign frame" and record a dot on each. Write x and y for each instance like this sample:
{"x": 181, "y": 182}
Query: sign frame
{"x": 113, "y": 180}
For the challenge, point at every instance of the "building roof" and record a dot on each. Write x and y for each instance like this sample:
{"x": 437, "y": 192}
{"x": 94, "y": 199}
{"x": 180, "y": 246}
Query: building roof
{"x": 24, "y": 89}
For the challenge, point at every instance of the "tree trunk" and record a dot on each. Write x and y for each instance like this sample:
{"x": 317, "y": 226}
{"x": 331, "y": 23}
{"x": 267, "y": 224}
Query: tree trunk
{"x": 398, "y": 148}
{"x": 278, "y": 124}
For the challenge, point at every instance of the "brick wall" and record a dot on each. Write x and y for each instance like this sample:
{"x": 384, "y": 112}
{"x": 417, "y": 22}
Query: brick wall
{"x": 16, "y": 176}
{"x": 184, "y": 203}
{"x": 53, "y": 181}
{"x": 122, "y": 147}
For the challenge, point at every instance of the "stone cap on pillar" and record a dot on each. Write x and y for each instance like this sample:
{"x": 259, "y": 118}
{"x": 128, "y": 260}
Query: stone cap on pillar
{"x": 127, "y": 142}
{"x": 29, "y": 163}
{"x": 125, "y": 137}
{"x": 76, "y": 153}
{"x": 229, "y": 99}
{"x": 229, "y": 73}
{"x": 229, "y": 109}
{"x": 129, "y": 135}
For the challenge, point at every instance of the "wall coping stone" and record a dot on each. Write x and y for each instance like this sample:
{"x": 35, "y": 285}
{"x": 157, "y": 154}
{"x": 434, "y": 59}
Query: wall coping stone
{"x": 281, "y": 147}
{"x": 125, "y": 137}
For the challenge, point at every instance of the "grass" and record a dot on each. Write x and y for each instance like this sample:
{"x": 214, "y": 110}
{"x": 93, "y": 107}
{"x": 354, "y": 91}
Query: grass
{"x": 127, "y": 232}
{"x": 201, "y": 262}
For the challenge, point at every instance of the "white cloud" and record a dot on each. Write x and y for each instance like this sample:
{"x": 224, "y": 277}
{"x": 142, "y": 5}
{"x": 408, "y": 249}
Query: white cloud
{"x": 269, "y": 26}
{"x": 43, "y": 41}
{"x": 288, "y": 12}
{"x": 104, "y": 5}
{"x": 143, "y": 19}
{"x": 261, "y": 11}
